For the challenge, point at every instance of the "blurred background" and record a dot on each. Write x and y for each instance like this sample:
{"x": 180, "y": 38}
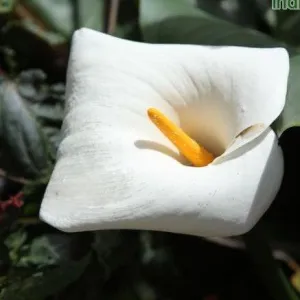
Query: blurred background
{"x": 38, "y": 262}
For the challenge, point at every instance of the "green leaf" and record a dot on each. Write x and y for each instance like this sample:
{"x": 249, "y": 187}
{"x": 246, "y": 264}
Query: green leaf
{"x": 14, "y": 242}
{"x": 288, "y": 26}
{"x": 23, "y": 140}
{"x": 45, "y": 250}
{"x": 172, "y": 21}
{"x": 44, "y": 283}
{"x": 295, "y": 280}
{"x": 153, "y": 12}
{"x": 243, "y": 12}
{"x": 50, "y": 37}
{"x": 37, "y": 51}
{"x": 215, "y": 8}
{"x": 6, "y": 6}
{"x": 115, "y": 249}
{"x": 90, "y": 13}
{"x": 39, "y": 252}
{"x": 66, "y": 16}
{"x": 34, "y": 191}
{"x": 46, "y": 102}
{"x": 55, "y": 13}
{"x": 268, "y": 269}
{"x": 290, "y": 116}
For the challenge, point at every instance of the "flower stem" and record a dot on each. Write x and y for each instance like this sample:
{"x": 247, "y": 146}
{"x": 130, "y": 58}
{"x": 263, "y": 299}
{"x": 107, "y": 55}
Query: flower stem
{"x": 269, "y": 271}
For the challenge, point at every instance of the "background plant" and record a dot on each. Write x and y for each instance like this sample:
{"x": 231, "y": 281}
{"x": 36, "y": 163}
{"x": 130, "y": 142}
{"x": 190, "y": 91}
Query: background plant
{"x": 39, "y": 262}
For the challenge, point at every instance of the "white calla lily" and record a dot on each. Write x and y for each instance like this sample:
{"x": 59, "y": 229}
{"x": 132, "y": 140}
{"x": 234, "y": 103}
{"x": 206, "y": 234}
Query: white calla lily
{"x": 115, "y": 170}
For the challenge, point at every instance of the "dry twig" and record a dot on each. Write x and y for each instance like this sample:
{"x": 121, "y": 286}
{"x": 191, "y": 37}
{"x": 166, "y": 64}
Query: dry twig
{"x": 13, "y": 178}
{"x": 113, "y": 16}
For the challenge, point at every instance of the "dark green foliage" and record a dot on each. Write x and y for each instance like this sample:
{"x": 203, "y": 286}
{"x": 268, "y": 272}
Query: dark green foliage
{"x": 38, "y": 262}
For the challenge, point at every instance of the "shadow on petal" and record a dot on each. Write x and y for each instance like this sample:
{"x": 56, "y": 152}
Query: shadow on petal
{"x": 239, "y": 151}
{"x": 150, "y": 145}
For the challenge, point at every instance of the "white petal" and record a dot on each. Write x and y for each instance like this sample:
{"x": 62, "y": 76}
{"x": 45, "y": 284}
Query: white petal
{"x": 214, "y": 93}
{"x": 112, "y": 169}
{"x": 154, "y": 193}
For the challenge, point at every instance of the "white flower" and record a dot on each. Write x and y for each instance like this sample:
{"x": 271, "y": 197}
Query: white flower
{"x": 115, "y": 170}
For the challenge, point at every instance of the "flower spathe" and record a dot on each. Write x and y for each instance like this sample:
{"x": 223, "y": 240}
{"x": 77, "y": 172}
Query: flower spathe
{"x": 115, "y": 170}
